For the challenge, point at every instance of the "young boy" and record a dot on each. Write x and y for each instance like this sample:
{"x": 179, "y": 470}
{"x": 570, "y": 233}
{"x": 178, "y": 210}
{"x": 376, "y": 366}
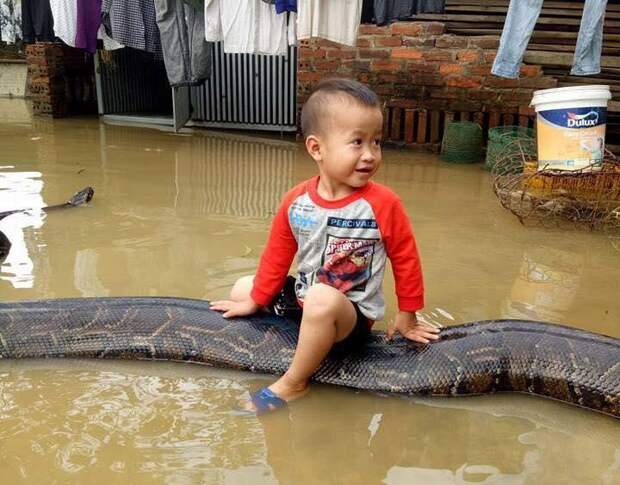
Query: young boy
{"x": 342, "y": 227}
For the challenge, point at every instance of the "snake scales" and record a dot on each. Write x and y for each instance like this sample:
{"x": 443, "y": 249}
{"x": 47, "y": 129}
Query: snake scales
{"x": 554, "y": 361}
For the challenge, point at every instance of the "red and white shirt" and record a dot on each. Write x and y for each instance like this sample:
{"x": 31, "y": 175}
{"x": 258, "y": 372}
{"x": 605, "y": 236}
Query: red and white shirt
{"x": 343, "y": 243}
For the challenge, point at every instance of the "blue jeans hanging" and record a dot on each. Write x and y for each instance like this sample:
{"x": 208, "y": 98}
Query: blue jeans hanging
{"x": 520, "y": 21}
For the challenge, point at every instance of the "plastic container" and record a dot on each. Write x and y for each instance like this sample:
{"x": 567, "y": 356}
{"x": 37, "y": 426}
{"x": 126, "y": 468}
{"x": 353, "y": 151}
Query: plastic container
{"x": 571, "y": 126}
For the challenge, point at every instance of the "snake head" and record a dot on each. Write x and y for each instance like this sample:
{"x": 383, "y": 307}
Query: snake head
{"x": 82, "y": 197}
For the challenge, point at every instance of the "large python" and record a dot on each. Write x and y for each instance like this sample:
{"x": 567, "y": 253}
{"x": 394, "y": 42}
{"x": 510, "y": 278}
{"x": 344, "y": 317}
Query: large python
{"x": 554, "y": 361}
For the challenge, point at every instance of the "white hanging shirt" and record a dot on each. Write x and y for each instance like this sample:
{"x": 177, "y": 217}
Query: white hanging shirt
{"x": 335, "y": 20}
{"x": 247, "y": 27}
{"x": 10, "y": 20}
{"x": 64, "y": 13}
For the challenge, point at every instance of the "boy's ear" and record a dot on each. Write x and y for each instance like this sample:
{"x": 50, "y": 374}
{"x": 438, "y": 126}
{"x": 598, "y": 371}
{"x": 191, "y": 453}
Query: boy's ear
{"x": 313, "y": 145}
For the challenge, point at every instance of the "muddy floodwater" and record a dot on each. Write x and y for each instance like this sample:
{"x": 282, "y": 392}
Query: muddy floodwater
{"x": 186, "y": 215}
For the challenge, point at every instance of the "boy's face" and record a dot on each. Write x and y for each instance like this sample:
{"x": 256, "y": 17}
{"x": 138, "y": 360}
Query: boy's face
{"x": 348, "y": 150}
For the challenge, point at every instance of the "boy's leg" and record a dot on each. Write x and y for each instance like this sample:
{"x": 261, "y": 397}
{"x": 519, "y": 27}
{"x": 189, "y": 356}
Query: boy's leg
{"x": 328, "y": 317}
{"x": 242, "y": 288}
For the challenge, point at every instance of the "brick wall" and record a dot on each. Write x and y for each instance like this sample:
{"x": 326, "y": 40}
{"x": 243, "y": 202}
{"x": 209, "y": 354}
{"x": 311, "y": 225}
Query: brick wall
{"x": 426, "y": 77}
{"x": 61, "y": 80}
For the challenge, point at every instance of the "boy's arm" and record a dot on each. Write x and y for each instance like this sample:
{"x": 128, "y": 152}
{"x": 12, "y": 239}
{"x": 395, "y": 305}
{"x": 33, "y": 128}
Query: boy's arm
{"x": 402, "y": 250}
{"x": 276, "y": 259}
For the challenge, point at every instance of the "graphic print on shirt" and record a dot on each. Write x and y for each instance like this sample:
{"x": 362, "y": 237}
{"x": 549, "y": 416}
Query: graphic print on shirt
{"x": 346, "y": 263}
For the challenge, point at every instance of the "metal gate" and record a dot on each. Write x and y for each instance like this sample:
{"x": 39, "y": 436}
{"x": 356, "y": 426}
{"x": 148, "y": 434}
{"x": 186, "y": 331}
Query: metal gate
{"x": 245, "y": 91}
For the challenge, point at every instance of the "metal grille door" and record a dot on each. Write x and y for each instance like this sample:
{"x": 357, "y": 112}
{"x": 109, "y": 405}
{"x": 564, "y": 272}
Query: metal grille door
{"x": 248, "y": 91}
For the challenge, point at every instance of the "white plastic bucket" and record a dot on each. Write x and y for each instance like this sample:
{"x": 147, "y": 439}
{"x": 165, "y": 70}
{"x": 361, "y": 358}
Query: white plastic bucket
{"x": 571, "y": 126}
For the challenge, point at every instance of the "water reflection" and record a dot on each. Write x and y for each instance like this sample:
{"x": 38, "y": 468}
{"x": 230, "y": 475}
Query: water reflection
{"x": 19, "y": 190}
{"x": 77, "y": 417}
{"x": 546, "y": 286}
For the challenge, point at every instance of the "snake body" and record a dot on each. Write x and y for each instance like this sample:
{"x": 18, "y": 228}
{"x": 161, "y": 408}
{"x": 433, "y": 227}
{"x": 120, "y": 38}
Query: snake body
{"x": 554, "y": 361}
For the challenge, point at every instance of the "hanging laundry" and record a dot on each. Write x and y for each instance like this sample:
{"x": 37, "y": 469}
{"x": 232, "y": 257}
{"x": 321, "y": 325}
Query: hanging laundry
{"x": 199, "y": 5}
{"x": 187, "y": 55}
{"x": 248, "y": 27}
{"x": 10, "y": 20}
{"x": 109, "y": 44}
{"x": 132, "y": 23}
{"x": 335, "y": 20}
{"x": 88, "y": 22}
{"x": 388, "y": 11}
{"x": 37, "y": 21}
{"x": 283, "y": 5}
{"x": 520, "y": 21}
{"x": 64, "y": 13}
{"x": 368, "y": 11}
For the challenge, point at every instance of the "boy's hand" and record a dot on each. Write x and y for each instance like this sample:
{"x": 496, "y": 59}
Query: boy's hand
{"x": 406, "y": 324}
{"x": 235, "y": 308}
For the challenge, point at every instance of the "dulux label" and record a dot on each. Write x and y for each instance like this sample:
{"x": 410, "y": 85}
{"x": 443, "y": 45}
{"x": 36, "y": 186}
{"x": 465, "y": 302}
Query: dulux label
{"x": 575, "y": 117}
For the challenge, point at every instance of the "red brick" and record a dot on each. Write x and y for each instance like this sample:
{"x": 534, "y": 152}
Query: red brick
{"x": 500, "y": 82}
{"x": 489, "y": 56}
{"x": 451, "y": 41}
{"x": 386, "y": 77}
{"x": 386, "y": 65}
{"x": 527, "y": 111}
{"x": 310, "y": 76}
{"x": 421, "y": 66}
{"x": 442, "y": 93}
{"x": 539, "y": 82}
{"x": 480, "y": 70}
{"x": 463, "y": 82}
{"x": 356, "y": 65}
{"x": 428, "y": 79}
{"x": 469, "y": 55}
{"x": 326, "y": 65}
{"x": 308, "y": 52}
{"x": 403, "y": 103}
{"x": 374, "y": 53}
{"x": 407, "y": 28}
{"x": 435, "y": 28}
{"x": 393, "y": 41}
{"x": 364, "y": 42}
{"x": 450, "y": 69}
{"x": 440, "y": 55}
{"x": 418, "y": 41}
{"x": 407, "y": 53}
{"x": 531, "y": 71}
{"x": 369, "y": 29}
{"x": 484, "y": 41}
{"x": 341, "y": 54}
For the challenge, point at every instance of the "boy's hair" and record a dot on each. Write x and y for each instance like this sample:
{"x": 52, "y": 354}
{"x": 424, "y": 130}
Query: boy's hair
{"x": 315, "y": 110}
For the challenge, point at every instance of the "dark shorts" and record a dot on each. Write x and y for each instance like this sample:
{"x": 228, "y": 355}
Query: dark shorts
{"x": 285, "y": 304}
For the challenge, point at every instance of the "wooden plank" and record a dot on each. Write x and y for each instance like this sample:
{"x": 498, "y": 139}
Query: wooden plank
{"x": 422, "y": 118}
{"x": 449, "y": 118}
{"x": 494, "y": 118}
{"x": 467, "y": 29}
{"x": 479, "y": 118}
{"x": 560, "y": 12}
{"x": 499, "y": 19}
{"x": 508, "y": 119}
{"x": 409, "y": 122}
{"x": 435, "y": 118}
{"x": 611, "y": 7}
{"x": 524, "y": 121}
{"x": 386, "y": 123}
{"x": 563, "y": 59}
{"x": 395, "y": 132}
